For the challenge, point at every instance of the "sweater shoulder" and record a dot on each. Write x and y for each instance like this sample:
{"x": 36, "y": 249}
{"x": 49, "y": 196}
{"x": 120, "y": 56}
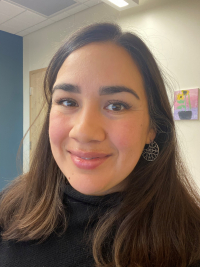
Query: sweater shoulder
{"x": 197, "y": 264}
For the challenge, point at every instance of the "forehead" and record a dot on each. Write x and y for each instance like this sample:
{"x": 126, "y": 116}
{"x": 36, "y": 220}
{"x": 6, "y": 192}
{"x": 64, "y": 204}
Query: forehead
{"x": 101, "y": 64}
{"x": 105, "y": 56}
{"x": 104, "y": 51}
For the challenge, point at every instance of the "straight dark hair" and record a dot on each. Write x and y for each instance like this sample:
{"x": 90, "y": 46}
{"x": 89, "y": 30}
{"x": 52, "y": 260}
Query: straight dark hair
{"x": 157, "y": 222}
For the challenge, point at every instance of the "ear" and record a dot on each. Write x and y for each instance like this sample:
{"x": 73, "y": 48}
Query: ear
{"x": 150, "y": 136}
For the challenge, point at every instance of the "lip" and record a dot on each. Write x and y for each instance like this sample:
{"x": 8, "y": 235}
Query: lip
{"x": 78, "y": 159}
{"x": 82, "y": 154}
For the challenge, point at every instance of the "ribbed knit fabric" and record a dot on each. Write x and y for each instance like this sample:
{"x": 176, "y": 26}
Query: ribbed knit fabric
{"x": 73, "y": 248}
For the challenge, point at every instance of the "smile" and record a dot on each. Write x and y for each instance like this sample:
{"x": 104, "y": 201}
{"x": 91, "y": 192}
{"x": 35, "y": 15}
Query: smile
{"x": 88, "y": 162}
{"x": 88, "y": 158}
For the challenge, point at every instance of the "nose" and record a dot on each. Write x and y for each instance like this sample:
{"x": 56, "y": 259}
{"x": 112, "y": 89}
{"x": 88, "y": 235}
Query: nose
{"x": 88, "y": 126}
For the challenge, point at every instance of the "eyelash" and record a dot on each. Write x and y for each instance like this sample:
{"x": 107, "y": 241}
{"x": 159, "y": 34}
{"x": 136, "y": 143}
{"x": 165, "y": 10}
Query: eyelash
{"x": 125, "y": 105}
{"x": 62, "y": 100}
{"x": 118, "y": 102}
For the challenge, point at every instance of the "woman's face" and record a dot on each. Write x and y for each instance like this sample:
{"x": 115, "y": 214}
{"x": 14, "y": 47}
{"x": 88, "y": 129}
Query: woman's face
{"x": 99, "y": 121}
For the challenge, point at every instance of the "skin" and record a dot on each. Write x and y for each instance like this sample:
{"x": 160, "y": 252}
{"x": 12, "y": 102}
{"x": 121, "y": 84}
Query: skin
{"x": 92, "y": 123}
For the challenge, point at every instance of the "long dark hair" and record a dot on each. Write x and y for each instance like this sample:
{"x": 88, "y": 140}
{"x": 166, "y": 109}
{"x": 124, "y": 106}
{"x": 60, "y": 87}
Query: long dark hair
{"x": 157, "y": 222}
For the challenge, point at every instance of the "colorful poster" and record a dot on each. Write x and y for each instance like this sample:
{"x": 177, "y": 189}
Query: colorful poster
{"x": 186, "y": 104}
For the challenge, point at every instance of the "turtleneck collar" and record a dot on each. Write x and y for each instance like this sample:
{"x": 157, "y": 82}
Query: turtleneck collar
{"x": 105, "y": 200}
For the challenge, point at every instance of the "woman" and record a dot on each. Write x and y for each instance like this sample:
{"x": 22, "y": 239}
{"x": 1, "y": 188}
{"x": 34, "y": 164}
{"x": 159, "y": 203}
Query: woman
{"x": 106, "y": 186}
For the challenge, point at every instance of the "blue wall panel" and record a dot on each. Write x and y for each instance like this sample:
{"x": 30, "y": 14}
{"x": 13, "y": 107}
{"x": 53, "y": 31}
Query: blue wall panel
{"x": 11, "y": 104}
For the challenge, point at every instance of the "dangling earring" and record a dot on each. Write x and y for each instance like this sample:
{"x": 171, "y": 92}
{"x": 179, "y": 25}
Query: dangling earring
{"x": 151, "y": 153}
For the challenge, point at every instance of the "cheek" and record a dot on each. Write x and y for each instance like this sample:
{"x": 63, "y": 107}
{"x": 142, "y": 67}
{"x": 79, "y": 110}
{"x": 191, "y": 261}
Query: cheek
{"x": 129, "y": 135}
{"x": 124, "y": 139}
{"x": 57, "y": 128}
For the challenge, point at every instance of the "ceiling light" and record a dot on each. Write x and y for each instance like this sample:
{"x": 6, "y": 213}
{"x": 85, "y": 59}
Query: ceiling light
{"x": 119, "y": 3}
{"x": 122, "y": 4}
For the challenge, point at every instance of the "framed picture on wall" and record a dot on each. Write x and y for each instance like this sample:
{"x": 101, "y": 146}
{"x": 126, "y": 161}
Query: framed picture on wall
{"x": 186, "y": 104}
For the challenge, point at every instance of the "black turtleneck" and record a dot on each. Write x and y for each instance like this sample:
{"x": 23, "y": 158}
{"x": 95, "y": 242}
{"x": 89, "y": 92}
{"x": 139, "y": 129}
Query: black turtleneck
{"x": 73, "y": 248}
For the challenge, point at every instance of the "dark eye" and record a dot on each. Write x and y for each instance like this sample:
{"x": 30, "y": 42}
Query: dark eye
{"x": 118, "y": 106}
{"x": 67, "y": 102}
{"x": 115, "y": 107}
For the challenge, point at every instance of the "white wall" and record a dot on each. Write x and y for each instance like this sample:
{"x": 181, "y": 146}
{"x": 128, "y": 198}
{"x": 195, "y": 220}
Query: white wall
{"x": 171, "y": 28}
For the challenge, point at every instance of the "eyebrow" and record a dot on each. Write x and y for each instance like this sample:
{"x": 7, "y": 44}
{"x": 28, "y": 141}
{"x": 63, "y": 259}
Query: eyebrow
{"x": 104, "y": 90}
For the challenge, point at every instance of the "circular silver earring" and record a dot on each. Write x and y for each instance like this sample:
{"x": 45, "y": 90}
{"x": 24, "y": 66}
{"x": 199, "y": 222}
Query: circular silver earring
{"x": 151, "y": 153}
